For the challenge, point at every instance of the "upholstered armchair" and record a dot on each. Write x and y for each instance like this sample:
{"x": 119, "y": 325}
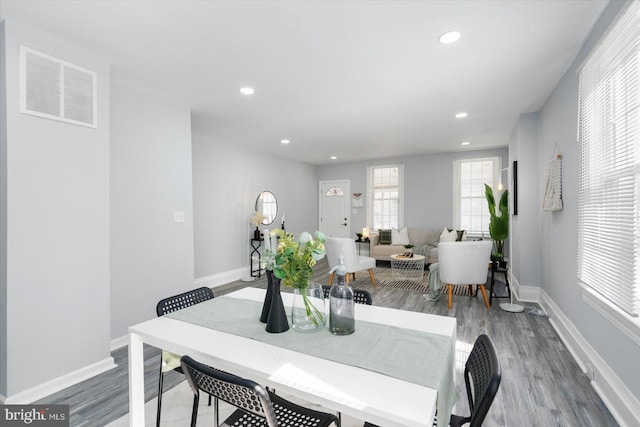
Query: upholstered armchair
{"x": 345, "y": 247}
{"x": 464, "y": 263}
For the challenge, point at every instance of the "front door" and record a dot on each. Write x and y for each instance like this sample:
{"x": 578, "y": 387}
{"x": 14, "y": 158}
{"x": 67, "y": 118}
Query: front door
{"x": 334, "y": 208}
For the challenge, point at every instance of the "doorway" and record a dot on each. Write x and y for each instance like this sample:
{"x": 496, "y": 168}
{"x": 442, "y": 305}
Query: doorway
{"x": 335, "y": 213}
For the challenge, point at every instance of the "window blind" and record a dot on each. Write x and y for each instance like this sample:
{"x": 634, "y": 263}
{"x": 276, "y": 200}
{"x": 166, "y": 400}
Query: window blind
{"x": 609, "y": 174}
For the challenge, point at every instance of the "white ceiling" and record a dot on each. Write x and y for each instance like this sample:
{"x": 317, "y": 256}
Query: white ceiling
{"x": 352, "y": 79}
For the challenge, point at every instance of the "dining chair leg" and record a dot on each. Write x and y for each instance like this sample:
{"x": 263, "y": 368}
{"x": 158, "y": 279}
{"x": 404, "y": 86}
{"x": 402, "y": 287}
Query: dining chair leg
{"x": 373, "y": 279}
{"x": 216, "y": 412}
{"x": 160, "y": 381}
{"x": 484, "y": 295}
{"x": 450, "y": 292}
{"x": 333, "y": 273}
{"x": 194, "y": 411}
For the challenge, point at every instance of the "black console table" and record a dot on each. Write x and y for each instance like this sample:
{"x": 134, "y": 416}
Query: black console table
{"x": 359, "y": 243}
{"x": 504, "y": 271}
{"x": 255, "y": 250}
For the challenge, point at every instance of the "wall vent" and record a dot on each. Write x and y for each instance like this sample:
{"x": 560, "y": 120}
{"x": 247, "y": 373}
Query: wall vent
{"x": 56, "y": 89}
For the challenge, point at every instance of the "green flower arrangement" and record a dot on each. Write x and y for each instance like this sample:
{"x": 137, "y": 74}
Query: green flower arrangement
{"x": 271, "y": 250}
{"x": 498, "y": 224}
{"x": 294, "y": 262}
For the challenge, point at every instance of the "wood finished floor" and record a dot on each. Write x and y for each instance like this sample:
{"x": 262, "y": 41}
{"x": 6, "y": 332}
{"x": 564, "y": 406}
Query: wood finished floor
{"x": 542, "y": 384}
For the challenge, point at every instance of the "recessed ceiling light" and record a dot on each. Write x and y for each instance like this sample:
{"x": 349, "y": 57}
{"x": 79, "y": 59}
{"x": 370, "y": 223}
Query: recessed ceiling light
{"x": 284, "y": 141}
{"x": 333, "y": 157}
{"x": 450, "y": 37}
{"x": 465, "y": 143}
{"x": 247, "y": 90}
{"x": 461, "y": 115}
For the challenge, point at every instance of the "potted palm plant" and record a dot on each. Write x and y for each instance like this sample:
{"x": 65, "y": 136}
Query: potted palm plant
{"x": 498, "y": 224}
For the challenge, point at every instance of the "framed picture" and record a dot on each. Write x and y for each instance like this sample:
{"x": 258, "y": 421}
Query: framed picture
{"x": 515, "y": 187}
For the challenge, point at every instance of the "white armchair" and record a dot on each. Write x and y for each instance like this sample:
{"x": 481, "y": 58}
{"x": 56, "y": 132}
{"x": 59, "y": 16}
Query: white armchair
{"x": 345, "y": 247}
{"x": 464, "y": 263}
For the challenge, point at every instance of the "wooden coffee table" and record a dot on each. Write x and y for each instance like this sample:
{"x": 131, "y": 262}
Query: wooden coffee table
{"x": 409, "y": 268}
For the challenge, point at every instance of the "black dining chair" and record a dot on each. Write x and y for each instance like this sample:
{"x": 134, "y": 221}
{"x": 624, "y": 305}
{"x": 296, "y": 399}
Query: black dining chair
{"x": 170, "y": 361}
{"x": 482, "y": 376}
{"x": 360, "y": 296}
{"x": 256, "y": 405}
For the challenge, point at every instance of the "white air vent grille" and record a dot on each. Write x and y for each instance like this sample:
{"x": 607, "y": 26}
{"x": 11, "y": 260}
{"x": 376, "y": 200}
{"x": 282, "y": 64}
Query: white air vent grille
{"x": 55, "y": 89}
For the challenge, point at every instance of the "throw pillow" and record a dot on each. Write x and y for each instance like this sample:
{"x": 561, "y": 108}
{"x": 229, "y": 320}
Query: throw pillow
{"x": 461, "y": 235}
{"x": 448, "y": 236}
{"x": 385, "y": 237}
{"x": 399, "y": 237}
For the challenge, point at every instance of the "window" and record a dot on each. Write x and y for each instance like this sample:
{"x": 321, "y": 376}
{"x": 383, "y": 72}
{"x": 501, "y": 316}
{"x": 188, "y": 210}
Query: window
{"x": 470, "y": 211}
{"x": 609, "y": 170}
{"x": 335, "y": 191}
{"x": 385, "y": 201}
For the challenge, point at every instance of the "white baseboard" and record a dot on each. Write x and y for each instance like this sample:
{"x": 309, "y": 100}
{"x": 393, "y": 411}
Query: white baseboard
{"x": 117, "y": 343}
{"x": 614, "y": 393}
{"x": 219, "y": 279}
{"x": 43, "y": 390}
{"x": 523, "y": 293}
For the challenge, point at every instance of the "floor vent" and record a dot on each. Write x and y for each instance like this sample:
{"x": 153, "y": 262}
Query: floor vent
{"x": 56, "y": 89}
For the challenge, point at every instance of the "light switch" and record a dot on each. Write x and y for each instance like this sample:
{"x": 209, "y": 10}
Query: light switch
{"x": 178, "y": 216}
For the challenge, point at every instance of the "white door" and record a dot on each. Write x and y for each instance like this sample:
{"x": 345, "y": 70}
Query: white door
{"x": 334, "y": 208}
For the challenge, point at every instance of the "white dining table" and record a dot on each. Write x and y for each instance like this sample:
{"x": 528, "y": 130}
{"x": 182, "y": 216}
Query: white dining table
{"x": 357, "y": 392}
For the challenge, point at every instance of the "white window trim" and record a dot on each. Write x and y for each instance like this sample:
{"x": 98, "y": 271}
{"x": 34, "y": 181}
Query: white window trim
{"x": 630, "y": 326}
{"x": 370, "y": 169}
{"x": 456, "y": 186}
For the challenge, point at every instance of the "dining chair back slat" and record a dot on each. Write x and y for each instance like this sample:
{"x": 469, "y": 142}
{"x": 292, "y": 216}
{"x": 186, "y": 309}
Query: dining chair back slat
{"x": 360, "y": 296}
{"x": 255, "y": 404}
{"x": 169, "y": 361}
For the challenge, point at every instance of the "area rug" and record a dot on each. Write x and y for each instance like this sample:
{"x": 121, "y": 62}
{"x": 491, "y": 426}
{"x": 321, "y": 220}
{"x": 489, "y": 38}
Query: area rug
{"x": 385, "y": 279}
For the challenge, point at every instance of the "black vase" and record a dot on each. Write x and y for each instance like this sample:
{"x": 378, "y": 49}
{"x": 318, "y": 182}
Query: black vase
{"x": 256, "y": 234}
{"x": 277, "y": 320}
{"x": 267, "y": 299}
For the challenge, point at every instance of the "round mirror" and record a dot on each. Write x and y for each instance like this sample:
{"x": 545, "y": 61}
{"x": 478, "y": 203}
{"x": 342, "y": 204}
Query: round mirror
{"x": 267, "y": 205}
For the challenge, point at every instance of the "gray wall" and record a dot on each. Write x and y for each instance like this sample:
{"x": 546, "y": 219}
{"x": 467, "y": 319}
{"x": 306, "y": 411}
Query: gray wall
{"x": 150, "y": 179}
{"x": 226, "y": 182}
{"x": 3, "y": 220}
{"x": 428, "y": 181}
{"x": 57, "y": 203}
{"x": 557, "y": 124}
{"x": 525, "y": 227}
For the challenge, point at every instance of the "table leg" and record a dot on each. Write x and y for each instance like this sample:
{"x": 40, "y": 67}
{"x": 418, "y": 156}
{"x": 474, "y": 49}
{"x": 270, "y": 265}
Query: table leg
{"x": 506, "y": 280}
{"x": 491, "y": 287}
{"x": 136, "y": 381}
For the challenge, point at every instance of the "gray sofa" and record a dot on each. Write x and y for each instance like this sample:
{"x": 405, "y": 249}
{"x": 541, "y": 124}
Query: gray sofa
{"x": 424, "y": 240}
